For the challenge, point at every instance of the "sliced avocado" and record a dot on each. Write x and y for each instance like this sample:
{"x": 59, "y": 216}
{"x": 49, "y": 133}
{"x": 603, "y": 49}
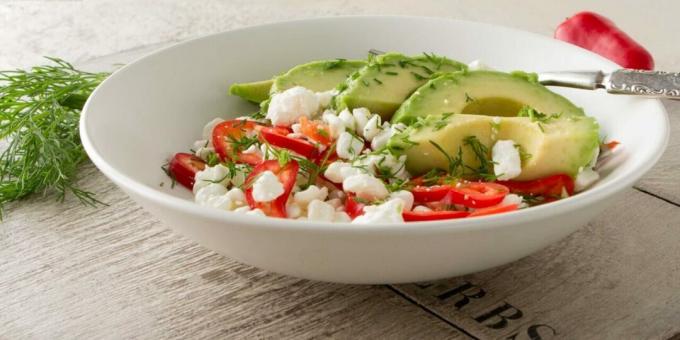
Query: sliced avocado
{"x": 317, "y": 76}
{"x": 255, "y": 92}
{"x": 550, "y": 145}
{"x": 388, "y": 79}
{"x": 483, "y": 93}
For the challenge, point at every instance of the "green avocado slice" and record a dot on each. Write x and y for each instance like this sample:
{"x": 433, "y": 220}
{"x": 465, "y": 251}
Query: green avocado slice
{"x": 549, "y": 145}
{"x": 388, "y": 79}
{"x": 483, "y": 93}
{"x": 256, "y": 92}
{"x": 318, "y": 76}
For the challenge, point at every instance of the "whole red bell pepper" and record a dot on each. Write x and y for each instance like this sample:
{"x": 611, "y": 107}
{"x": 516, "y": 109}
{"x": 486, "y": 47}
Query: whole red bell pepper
{"x": 600, "y": 35}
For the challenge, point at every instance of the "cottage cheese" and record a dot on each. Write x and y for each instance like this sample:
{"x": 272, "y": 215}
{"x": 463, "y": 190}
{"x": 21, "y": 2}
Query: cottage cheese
{"x": 349, "y": 146}
{"x": 267, "y": 187}
{"x": 388, "y": 212}
{"x": 366, "y": 186}
{"x": 507, "y": 162}
{"x": 287, "y": 107}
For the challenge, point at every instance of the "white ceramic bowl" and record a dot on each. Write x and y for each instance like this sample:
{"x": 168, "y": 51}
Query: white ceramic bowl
{"x": 157, "y": 106}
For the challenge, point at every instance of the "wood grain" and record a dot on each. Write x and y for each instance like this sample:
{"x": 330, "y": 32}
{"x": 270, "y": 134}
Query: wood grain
{"x": 617, "y": 278}
{"x": 664, "y": 179}
{"x": 67, "y": 271}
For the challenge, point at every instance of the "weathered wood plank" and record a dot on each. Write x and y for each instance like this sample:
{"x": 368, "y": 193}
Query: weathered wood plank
{"x": 617, "y": 278}
{"x": 664, "y": 179}
{"x": 67, "y": 271}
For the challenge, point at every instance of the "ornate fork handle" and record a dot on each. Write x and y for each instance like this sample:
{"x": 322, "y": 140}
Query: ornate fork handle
{"x": 646, "y": 83}
{"x": 657, "y": 84}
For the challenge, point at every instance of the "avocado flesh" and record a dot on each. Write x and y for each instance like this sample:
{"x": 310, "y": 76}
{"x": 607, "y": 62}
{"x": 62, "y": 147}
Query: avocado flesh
{"x": 255, "y": 92}
{"x": 318, "y": 76}
{"x": 388, "y": 79}
{"x": 561, "y": 145}
{"x": 482, "y": 93}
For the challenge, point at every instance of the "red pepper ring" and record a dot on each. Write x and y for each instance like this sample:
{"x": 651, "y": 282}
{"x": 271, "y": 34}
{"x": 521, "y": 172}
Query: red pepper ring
{"x": 551, "y": 186}
{"x": 432, "y": 193}
{"x": 353, "y": 207}
{"x": 297, "y": 145}
{"x": 600, "y": 35}
{"x": 496, "y": 209}
{"x": 413, "y": 216}
{"x": 286, "y": 175}
{"x": 476, "y": 194}
{"x": 183, "y": 168}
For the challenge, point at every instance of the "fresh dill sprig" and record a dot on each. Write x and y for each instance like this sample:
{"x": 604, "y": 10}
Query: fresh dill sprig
{"x": 419, "y": 77}
{"x": 39, "y": 114}
{"x": 455, "y": 163}
{"x": 481, "y": 152}
{"x": 333, "y": 64}
{"x": 434, "y": 59}
{"x": 523, "y": 154}
{"x": 537, "y": 117}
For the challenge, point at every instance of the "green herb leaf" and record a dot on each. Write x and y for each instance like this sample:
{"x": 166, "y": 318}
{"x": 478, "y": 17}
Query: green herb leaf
{"x": 39, "y": 110}
{"x": 337, "y": 63}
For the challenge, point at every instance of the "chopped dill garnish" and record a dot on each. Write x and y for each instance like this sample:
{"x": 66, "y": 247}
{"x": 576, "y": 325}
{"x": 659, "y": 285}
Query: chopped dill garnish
{"x": 434, "y": 59}
{"x": 440, "y": 124}
{"x": 418, "y": 76}
{"x": 283, "y": 157}
{"x": 341, "y": 87}
{"x": 166, "y": 169}
{"x": 468, "y": 99}
{"x": 403, "y": 63}
{"x": 391, "y": 73}
{"x": 427, "y": 69}
{"x": 485, "y": 169}
{"x": 523, "y": 154}
{"x": 212, "y": 159}
{"x": 537, "y": 117}
{"x": 337, "y": 63}
{"x": 363, "y": 81}
{"x": 322, "y": 133}
{"x": 378, "y": 81}
{"x": 455, "y": 164}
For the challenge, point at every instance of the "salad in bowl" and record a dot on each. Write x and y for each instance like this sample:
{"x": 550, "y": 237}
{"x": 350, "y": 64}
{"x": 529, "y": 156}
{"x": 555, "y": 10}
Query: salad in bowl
{"x": 393, "y": 139}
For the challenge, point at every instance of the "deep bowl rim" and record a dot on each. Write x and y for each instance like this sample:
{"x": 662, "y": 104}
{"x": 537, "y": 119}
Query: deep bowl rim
{"x": 573, "y": 203}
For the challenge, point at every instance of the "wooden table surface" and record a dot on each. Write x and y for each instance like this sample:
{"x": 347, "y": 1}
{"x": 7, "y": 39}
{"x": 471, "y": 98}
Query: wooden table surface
{"x": 74, "y": 272}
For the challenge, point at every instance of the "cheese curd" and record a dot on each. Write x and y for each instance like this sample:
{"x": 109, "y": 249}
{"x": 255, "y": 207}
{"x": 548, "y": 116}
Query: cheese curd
{"x": 366, "y": 187}
{"x": 304, "y": 197}
{"x": 216, "y": 174}
{"x": 387, "y": 132}
{"x": 335, "y": 124}
{"x": 349, "y": 146}
{"x": 372, "y": 128}
{"x": 388, "y": 212}
{"x": 507, "y": 161}
{"x": 320, "y": 211}
{"x": 585, "y": 178}
{"x": 287, "y": 107}
{"x": 404, "y": 196}
{"x": 267, "y": 187}
{"x": 208, "y": 129}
